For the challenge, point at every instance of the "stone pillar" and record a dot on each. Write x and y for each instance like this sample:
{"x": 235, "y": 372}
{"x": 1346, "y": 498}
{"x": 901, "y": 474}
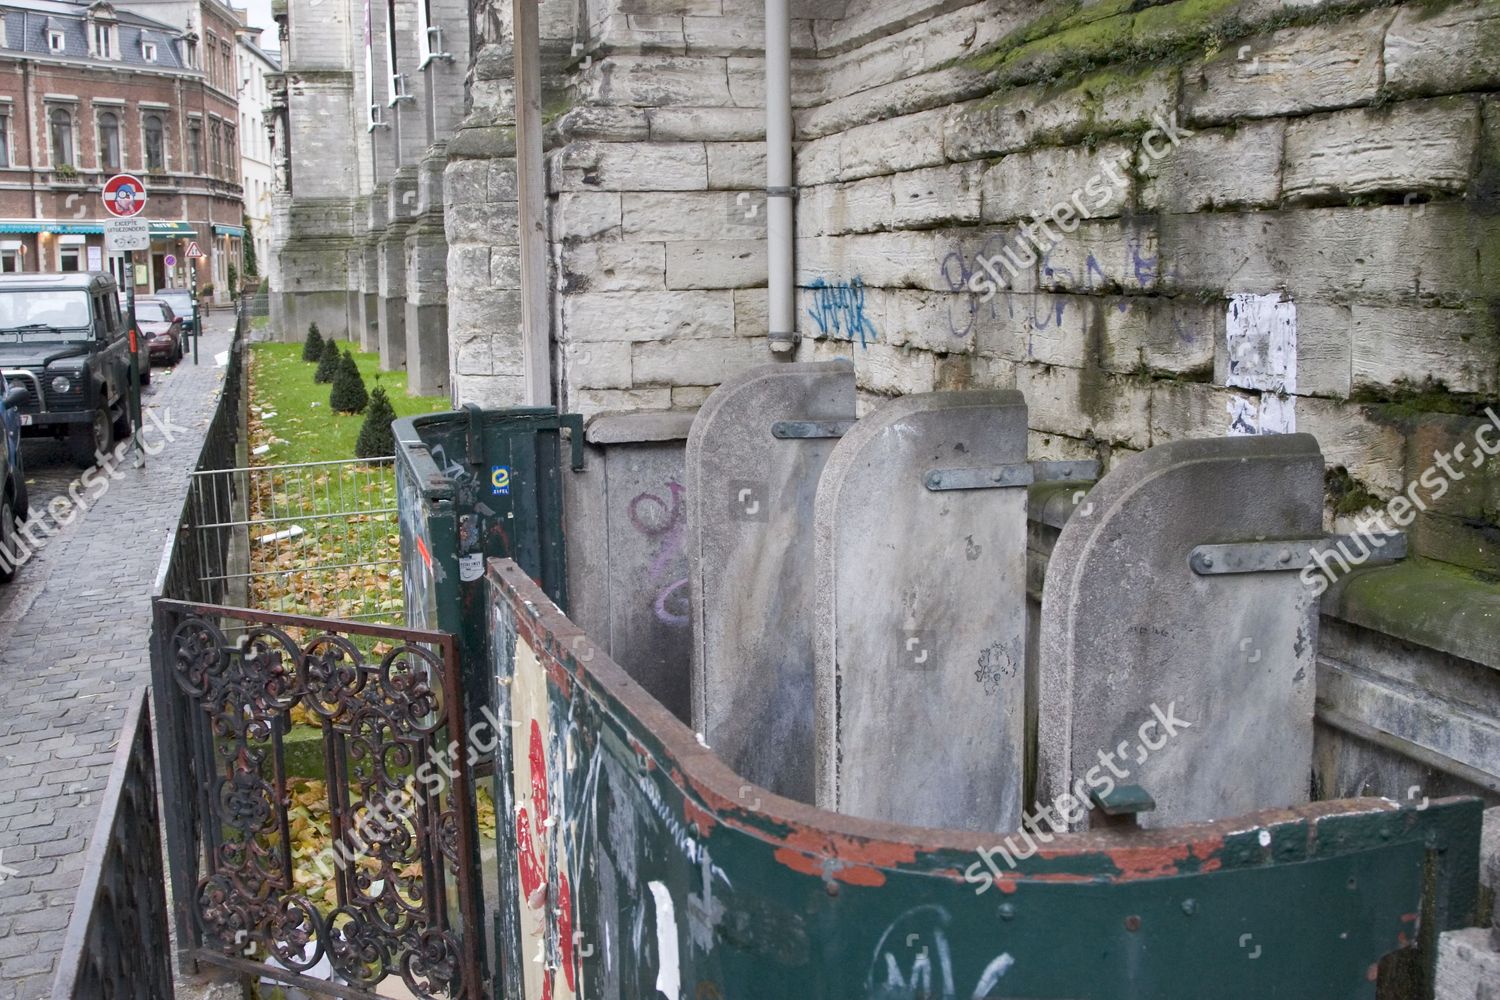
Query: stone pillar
{"x": 401, "y": 195}
{"x": 484, "y": 257}
{"x": 369, "y": 287}
{"x": 427, "y": 283}
{"x": 750, "y": 500}
{"x": 1198, "y": 687}
{"x": 921, "y": 623}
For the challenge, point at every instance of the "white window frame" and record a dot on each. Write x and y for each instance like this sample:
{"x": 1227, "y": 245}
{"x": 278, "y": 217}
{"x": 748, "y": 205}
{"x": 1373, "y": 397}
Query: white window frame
{"x": 148, "y": 51}
{"x": 57, "y": 41}
{"x": 103, "y": 39}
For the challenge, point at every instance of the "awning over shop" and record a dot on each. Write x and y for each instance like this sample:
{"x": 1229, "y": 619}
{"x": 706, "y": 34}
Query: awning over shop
{"x": 236, "y": 231}
{"x": 46, "y": 226}
{"x": 173, "y": 229}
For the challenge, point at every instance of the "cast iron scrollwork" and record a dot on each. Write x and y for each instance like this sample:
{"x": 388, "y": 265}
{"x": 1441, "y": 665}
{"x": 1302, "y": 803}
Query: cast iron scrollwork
{"x": 392, "y": 822}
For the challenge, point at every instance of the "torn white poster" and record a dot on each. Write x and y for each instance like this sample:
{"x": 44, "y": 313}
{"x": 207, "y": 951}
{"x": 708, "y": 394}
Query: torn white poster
{"x": 1268, "y": 414}
{"x": 1260, "y": 333}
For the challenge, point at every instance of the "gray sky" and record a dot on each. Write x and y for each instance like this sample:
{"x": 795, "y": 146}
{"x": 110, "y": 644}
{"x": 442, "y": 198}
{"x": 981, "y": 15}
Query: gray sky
{"x": 260, "y": 17}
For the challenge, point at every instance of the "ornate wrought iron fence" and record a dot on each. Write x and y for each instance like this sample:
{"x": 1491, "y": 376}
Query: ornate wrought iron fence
{"x": 334, "y": 885}
{"x": 116, "y": 945}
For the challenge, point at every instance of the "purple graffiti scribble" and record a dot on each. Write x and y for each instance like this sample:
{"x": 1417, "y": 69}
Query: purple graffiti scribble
{"x": 666, "y": 524}
{"x": 1145, "y": 267}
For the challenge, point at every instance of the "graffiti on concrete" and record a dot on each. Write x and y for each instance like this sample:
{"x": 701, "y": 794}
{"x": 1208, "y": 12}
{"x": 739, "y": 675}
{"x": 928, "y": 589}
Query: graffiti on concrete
{"x": 665, "y": 523}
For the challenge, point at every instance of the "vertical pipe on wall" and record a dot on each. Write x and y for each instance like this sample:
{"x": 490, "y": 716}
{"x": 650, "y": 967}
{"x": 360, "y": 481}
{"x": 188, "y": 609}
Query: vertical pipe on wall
{"x": 780, "y": 193}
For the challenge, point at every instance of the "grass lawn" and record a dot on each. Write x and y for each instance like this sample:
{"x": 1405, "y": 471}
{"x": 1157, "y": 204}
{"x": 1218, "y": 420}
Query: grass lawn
{"x": 303, "y": 428}
{"x": 341, "y": 551}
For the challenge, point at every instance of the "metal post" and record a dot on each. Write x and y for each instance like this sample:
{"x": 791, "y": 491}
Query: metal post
{"x": 135, "y": 365}
{"x": 197, "y": 328}
{"x": 536, "y": 344}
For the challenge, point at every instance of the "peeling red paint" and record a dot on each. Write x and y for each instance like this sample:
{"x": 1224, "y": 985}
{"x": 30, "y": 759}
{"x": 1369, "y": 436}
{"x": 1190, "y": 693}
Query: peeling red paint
{"x": 850, "y": 850}
{"x": 1137, "y": 863}
{"x": 701, "y": 818}
{"x": 812, "y": 865}
{"x": 559, "y": 676}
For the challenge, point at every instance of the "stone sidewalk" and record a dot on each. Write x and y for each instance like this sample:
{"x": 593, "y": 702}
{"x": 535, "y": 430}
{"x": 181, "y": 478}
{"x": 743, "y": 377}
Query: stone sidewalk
{"x": 73, "y": 645}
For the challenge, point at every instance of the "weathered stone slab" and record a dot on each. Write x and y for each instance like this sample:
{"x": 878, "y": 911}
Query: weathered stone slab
{"x": 627, "y": 535}
{"x": 750, "y": 527}
{"x": 921, "y": 641}
{"x": 1197, "y": 688}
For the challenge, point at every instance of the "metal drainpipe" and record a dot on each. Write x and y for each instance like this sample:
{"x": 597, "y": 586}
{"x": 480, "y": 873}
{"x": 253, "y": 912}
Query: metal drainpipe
{"x": 780, "y": 192}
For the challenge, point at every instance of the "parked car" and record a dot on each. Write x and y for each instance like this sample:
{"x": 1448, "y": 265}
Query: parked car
{"x": 162, "y": 329}
{"x": 181, "y": 301}
{"x": 14, "y": 505}
{"x": 63, "y": 338}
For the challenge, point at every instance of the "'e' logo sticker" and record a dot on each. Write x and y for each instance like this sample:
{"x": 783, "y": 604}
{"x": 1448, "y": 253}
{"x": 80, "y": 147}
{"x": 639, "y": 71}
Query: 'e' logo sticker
{"x": 500, "y": 481}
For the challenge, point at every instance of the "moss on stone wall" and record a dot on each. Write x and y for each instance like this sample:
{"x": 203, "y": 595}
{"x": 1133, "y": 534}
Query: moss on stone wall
{"x": 1406, "y": 400}
{"x": 1347, "y": 496}
{"x": 1065, "y": 42}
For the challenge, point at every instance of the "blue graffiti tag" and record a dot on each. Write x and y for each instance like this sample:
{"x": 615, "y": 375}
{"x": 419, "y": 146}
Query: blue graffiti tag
{"x": 839, "y": 310}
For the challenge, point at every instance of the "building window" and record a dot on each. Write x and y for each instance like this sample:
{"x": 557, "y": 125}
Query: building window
{"x": 109, "y": 141}
{"x": 70, "y": 258}
{"x": 215, "y": 158}
{"x": 5, "y": 137}
{"x": 10, "y": 259}
{"x": 57, "y": 41}
{"x": 151, "y": 130}
{"x": 231, "y": 154}
{"x": 62, "y": 137}
{"x": 102, "y": 48}
{"x": 195, "y": 147}
{"x": 148, "y": 51}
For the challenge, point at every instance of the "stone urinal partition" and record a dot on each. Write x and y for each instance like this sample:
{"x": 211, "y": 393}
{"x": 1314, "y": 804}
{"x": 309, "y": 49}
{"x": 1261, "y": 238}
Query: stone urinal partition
{"x": 750, "y": 555}
{"x": 921, "y": 616}
{"x": 1198, "y": 688}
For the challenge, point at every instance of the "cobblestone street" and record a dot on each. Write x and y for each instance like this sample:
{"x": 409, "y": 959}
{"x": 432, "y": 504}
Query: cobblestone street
{"x": 73, "y": 643}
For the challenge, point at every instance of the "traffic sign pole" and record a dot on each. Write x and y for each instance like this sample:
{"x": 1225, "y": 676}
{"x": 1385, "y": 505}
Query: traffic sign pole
{"x": 124, "y": 197}
{"x": 197, "y": 324}
{"x": 135, "y": 366}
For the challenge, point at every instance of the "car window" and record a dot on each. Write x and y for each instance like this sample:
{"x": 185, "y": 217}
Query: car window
{"x": 26, "y": 308}
{"x": 152, "y": 312}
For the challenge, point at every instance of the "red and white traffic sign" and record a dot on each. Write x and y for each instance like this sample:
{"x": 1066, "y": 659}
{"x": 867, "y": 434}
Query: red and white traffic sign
{"x": 124, "y": 196}
{"x": 192, "y": 250}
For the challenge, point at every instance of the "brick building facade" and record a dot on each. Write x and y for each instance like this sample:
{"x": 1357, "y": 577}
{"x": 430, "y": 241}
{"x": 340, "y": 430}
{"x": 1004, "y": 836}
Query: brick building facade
{"x": 89, "y": 91}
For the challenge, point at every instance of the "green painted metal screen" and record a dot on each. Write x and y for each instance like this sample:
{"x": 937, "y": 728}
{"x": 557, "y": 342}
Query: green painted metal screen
{"x": 634, "y": 863}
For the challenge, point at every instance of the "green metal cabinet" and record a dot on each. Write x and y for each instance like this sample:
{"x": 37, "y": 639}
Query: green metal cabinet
{"x": 472, "y": 485}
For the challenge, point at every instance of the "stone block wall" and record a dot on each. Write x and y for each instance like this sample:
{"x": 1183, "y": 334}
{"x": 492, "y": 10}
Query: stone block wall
{"x": 1246, "y": 216}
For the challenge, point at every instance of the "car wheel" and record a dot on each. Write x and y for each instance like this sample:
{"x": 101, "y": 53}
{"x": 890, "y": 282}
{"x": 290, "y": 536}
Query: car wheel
{"x": 94, "y": 438}
{"x": 7, "y": 540}
{"x": 146, "y": 372}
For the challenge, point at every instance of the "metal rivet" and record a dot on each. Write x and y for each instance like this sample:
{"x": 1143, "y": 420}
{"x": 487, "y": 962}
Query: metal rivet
{"x": 832, "y": 888}
{"x": 1007, "y": 911}
{"x": 1189, "y": 906}
{"x": 1208, "y": 560}
{"x": 1285, "y": 555}
{"x": 1132, "y": 923}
